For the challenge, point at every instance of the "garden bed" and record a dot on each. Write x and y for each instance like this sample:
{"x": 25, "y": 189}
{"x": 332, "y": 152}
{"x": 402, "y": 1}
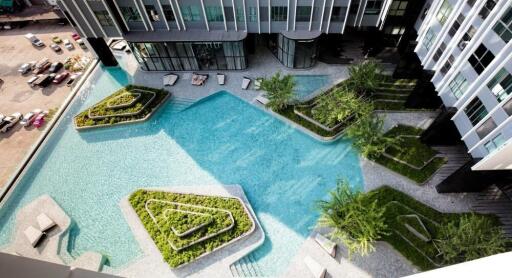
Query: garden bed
{"x": 185, "y": 227}
{"x": 142, "y": 103}
{"x": 420, "y": 253}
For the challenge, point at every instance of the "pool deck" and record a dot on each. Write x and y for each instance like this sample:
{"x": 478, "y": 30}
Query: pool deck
{"x": 215, "y": 264}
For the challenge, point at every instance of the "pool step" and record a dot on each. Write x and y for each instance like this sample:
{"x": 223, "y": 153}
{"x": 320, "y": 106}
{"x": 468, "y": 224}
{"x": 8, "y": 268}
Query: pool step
{"x": 180, "y": 103}
{"x": 246, "y": 267}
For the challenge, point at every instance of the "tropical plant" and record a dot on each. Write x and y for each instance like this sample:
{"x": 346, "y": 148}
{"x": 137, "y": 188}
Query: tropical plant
{"x": 355, "y": 220}
{"x": 470, "y": 237}
{"x": 368, "y": 136}
{"x": 365, "y": 77}
{"x": 279, "y": 90}
{"x": 339, "y": 105}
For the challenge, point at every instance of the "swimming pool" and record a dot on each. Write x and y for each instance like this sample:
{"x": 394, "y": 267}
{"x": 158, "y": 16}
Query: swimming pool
{"x": 221, "y": 140}
{"x": 306, "y": 85}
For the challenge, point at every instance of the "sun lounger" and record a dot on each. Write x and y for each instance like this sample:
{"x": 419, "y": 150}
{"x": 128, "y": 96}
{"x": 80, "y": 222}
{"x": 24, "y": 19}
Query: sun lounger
{"x": 257, "y": 84}
{"x": 245, "y": 83}
{"x": 261, "y": 99}
{"x": 221, "y": 78}
{"x": 33, "y": 235}
{"x": 199, "y": 79}
{"x": 170, "y": 79}
{"x": 45, "y": 222}
{"x": 314, "y": 267}
{"x": 326, "y": 244}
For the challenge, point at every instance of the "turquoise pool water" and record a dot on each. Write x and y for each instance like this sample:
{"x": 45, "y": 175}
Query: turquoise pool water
{"x": 305, "y": 85}
{"x": 222, "y": 140}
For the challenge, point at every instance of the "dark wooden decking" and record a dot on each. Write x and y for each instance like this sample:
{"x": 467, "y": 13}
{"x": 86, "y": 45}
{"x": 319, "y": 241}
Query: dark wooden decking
{"x": 499, "y": 202}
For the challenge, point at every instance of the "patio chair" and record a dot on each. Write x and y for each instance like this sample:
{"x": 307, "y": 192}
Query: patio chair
{"x": 45, "y": 222}
{"x": 221, "y": 78}
{"x": 326, "y": 244}
{"x": 199, "y": 79}
{"x": 33, "y": 235}
{"x": 261, "y": 99}
{"x": 245, "y": 83}
{"x": 170, "y": 79}
{"x": 257, "y": 84}
{"x": 314, "y": 267}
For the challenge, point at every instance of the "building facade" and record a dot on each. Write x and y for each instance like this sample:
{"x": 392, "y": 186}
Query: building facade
{"x": 176, "y": 35}
{"x": 466, "y": 43}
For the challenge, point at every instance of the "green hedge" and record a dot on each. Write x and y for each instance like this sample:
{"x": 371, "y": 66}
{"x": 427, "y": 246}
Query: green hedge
{"x": 243, "y": 223}
{"x": 100, "y": 108}
{"x": 398, "y": 203}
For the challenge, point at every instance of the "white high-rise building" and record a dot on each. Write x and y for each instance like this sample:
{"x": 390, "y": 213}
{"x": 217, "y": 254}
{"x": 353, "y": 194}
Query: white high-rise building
{"x": 467, "y": 44}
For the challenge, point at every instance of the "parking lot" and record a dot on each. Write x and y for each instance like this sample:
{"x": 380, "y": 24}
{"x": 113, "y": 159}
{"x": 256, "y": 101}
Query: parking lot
{"x": 17, "y": 96}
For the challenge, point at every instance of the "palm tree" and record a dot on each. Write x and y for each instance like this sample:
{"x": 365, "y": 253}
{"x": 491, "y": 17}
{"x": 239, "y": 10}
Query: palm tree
{"x": 279, "y": 90}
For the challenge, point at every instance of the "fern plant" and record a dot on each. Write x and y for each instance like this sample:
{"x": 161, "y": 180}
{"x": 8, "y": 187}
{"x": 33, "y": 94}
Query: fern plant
{"x": 355, "y": 221}
{"x": 279, "y": 90}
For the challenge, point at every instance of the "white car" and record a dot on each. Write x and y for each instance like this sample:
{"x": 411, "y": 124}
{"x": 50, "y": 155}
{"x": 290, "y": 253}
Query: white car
{"x": 2, "y": 117}
{"x": 68, "y": 45}
{"x": 10, "y": 121}
{"x": 30, "y": 117}
{"x": 26, "y": 67}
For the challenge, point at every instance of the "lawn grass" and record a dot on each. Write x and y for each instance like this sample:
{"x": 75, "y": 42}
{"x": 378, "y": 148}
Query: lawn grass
{"x": 419, "y": 176}
{"x": 218, "y": 226}
{"x": 412, "y": 151}
{"x": 397, "y": 204}
{"x": 404, "y": 130}
{"x": 108, "y": 115}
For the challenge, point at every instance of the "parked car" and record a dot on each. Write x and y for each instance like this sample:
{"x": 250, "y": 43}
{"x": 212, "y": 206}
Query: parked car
{"x": 34, "y": 40}
{"x": 81, "y": 43}
{"x": 55, "y": 67}
{"x": 33, "y": 79}
{"x": 56, "y": 40}
{"x": 55, "y": 47}
{"x": 75, "y": 36}
{"x": 39, "y": 121}
{"x": 10, "y": 122}
{"x": 73, "y": 78}
{"x": 60, "y": 77}
{"x": 44, "y": 81}
{"x": 42, "y": 68}
{"x": 68, "y": 45}
{"x": 2, "y": 117}
{"x": 29, "y": 118}
{"x": 26, "y": 67}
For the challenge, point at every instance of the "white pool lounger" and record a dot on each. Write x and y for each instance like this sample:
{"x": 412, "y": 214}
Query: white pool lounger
{"x": 45, "y": 222}
{"x": 245, "y": 83}
{"x": 326, "y": 244}
{"x": 261, "y": 99}
{"x": 221, "y": 78}
{"x": 33, "y": 235}
{"x": 314, "y": 267}
{"x": 170, "y": 79}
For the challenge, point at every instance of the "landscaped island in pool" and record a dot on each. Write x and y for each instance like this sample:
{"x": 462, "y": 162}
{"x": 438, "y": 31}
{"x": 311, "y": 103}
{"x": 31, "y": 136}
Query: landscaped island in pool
{"x": 221, "y": 140}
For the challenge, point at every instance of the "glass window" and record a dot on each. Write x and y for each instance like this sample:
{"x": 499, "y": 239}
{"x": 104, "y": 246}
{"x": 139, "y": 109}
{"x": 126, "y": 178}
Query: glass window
{"x": 338, "y": 14}
{"x": 130, "y": 14}
{"x": 279, "y": 13}
{"x": 168, "y": 13}
{"x": 487, "y": 8}
{"x": 252, "y": 16}
{"x": 448, "y": 65}
{"x": 191, "y": 13}
{"x": 104, "y": 18}
{"x": 240, "y": 14}
{"x": 458, "y": 85}
{"x": 501, "y": 84}
{"x": 444, "y": 12}
{"x": 485, "y": 128}
{"x": 152, "y": 13}
{"x": 430, "y": 36}
{"x": 467, "y": 37}
{"x": 228, "y": 13}
{"x": 504, "y": 26}
{"x": 304, "y": 13}
{"x": 494, "y": 143}
{"x": 264, "y": 13}
{"x": 373, "y": 7}
{"x": 475, "y": 111}
{"x": 471, "y": 3}
{"x": 439, "y": 51}
{"x": 214, "y": 13}
{"x": 398, "y": 8}
{"x": 456, "y": 25}
{"x": 481, "y": 58}
{"x": 425, "y": 12}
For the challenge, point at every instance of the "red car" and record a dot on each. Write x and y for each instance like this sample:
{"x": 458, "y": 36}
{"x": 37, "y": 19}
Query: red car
{"x": 75, "y": 36}
{"x": 39, "y": 121}
{"x": 60, "y": 77}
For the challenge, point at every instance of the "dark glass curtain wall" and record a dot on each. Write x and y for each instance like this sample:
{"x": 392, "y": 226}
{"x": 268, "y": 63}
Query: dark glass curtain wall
{"x": 188, "y": 56}
{"x": 297, "y": 54}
